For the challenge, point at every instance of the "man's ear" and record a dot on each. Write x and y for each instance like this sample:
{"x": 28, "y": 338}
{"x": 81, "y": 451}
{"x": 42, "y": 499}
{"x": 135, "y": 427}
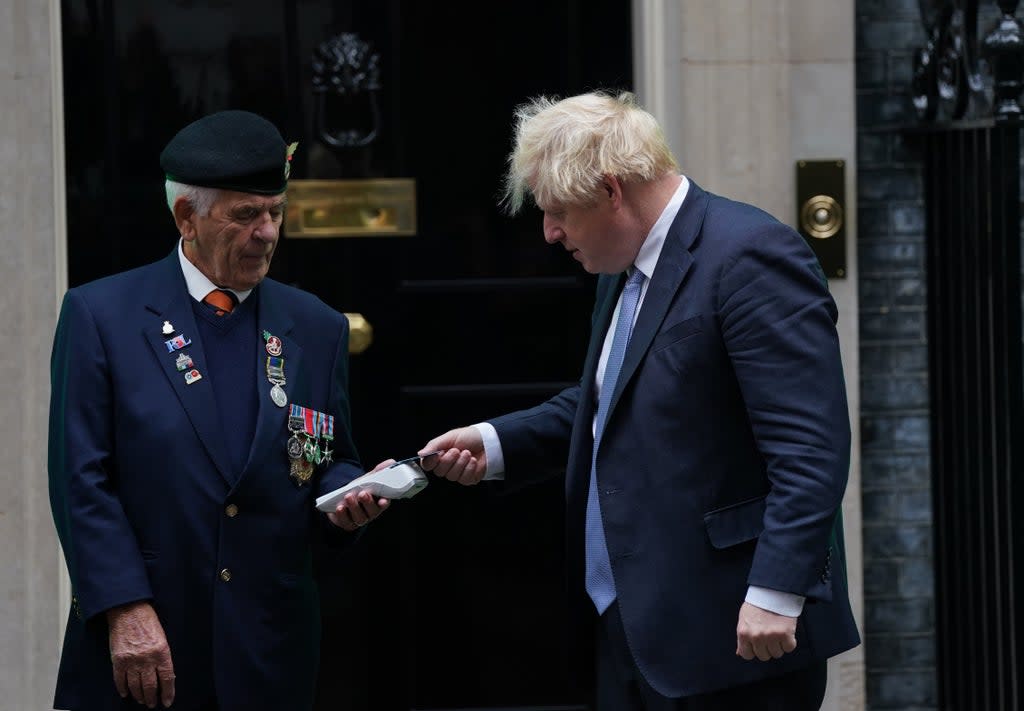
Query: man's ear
{"x": 613, "y": 188}
{"x": 184, "y": 218}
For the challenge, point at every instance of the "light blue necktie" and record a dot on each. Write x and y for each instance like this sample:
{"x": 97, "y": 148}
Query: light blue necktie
{"x": 599, "y": 582}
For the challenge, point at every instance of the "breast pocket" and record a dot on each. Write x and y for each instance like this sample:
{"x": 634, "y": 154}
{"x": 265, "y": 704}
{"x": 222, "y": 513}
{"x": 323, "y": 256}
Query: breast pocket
{"x": 678, "y": 332}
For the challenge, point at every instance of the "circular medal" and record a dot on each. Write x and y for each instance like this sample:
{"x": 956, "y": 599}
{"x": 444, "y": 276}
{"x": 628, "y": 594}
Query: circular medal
{"x": 278, "y": 395}
{"x": 294, "y": 447}
{"x": 274, "y": 346}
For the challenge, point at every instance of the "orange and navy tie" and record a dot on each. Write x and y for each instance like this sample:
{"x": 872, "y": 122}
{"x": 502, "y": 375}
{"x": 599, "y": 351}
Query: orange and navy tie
{"x": 222, "y": 301}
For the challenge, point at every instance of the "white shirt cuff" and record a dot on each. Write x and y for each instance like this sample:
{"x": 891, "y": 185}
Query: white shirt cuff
{"x": 781, "y": 603}
{"x": 492, "y": 450}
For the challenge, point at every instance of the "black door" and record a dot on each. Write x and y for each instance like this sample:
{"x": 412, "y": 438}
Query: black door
{"x": 452, "y": 600}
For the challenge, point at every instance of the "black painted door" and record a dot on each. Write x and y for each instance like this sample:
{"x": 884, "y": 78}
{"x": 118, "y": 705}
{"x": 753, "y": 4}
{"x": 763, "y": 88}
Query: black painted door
{"x": 454, "y": 599}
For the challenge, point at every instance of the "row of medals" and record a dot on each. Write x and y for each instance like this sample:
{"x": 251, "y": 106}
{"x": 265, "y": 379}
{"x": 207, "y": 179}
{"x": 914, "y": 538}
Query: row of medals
{"x": 304, "y": 445}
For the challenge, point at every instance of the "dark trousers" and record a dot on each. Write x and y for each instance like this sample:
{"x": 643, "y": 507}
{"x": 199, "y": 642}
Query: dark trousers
{"x": 621, "y": 687}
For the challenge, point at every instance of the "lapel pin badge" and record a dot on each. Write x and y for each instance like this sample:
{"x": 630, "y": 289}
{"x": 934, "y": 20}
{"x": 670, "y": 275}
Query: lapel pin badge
{"x": 192, "y": 376}
{"x": 177, "y": 343}
{"x": 168, "y": 329}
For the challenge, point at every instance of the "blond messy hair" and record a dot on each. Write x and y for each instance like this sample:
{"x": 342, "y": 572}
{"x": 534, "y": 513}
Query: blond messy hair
{"x": 563, "y": 148}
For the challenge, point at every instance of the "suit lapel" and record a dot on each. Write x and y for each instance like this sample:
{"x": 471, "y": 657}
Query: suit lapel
{"x": 673, "y": 266}
{"x": 271, "y": 421}
{"x": 169, "y": 301}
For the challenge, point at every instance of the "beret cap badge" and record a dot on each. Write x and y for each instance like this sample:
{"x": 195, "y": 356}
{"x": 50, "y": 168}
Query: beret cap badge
{"x": 288, "y": 159}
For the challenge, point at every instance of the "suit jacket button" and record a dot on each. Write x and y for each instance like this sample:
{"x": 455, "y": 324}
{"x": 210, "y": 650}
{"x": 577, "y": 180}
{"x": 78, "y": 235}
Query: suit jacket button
{"x": 225, "y": 575}
{"x": 231, "y": 510}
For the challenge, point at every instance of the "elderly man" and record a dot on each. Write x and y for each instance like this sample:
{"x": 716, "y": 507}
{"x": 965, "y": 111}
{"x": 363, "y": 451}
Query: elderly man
{"x": 707, "y": 444}
{"x": 198, "y": 408}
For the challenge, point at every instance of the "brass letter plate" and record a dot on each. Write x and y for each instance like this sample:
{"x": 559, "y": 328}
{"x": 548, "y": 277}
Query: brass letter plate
{"x": 351, "y": 208}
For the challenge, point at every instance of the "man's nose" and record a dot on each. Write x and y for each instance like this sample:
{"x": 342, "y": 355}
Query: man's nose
{"x": 266, "y": 229}
{"x": 552, "y": 232}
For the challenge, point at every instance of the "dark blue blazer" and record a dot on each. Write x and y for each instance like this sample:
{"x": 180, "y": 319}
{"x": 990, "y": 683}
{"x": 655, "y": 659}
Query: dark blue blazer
{"x": 725, "y": 454}
{"x": 141, "y": 482}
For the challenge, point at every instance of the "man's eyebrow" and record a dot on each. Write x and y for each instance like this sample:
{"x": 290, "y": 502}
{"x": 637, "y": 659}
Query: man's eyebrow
{"x": 244, "y": 206}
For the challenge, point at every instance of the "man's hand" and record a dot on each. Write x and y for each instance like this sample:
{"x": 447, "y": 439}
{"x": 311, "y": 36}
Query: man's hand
{"x": 463, "y": 459}
{"x": 764, "y": 634}
{"x": 357, "y": 510}
{"x": 140, "y": 654}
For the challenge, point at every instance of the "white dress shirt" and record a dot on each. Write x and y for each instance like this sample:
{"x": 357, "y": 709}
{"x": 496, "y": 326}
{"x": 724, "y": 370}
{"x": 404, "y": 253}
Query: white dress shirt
{"x": 199, "y": 285}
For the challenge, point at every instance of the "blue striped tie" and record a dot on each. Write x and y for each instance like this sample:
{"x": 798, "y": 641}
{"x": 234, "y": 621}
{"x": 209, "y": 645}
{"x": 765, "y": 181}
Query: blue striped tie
{"x": 599, "y": 581}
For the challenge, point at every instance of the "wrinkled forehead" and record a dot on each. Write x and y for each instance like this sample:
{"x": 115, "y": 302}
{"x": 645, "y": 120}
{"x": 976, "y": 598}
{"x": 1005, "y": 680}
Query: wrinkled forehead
{"x": 231, "y": 199}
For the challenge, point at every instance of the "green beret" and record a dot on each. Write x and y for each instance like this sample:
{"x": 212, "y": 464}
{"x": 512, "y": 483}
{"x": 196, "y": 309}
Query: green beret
{"x": 231, "y": 150}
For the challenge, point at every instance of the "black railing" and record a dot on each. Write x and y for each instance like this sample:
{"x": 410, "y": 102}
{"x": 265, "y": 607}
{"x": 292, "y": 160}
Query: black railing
{"x": 967, "y": 94}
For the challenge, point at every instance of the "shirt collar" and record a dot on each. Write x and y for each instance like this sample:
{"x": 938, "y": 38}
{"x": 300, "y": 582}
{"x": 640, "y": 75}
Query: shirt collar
{"x": 199, "y": 285}
{"x": 650, "y": 250}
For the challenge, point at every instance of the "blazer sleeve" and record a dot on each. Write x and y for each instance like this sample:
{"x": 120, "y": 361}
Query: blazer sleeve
{"x": 778, "y": 320}
{"x": 103, "y": 558}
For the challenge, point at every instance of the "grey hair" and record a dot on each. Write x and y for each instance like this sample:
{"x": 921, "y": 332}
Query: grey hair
{"x": 201, "y": 199}
{"x": 563, "y": 149}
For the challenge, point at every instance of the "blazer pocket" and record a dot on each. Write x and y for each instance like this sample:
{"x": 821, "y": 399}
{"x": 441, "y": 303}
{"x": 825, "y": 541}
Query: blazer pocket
{"x": 736, "y": 523}
{"x": 677, "y": 332}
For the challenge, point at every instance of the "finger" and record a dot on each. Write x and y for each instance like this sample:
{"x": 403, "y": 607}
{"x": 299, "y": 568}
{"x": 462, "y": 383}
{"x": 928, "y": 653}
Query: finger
{"x": 455, "y": 474}
{"x": 383, "y": 465}
{"x": 428, "y": 458}
{"x": 148, "y": 676}
{"x": 119, "y": 681}
{"x": 774, "y": 648}
{"x": 135, "y": 684}
{"x": 789, "y": 644}
{"x": 469, "y": 476}
{"x": 744, "y": 650}
{"x": 353, "y": 504}
{"x": 342, "y": 518}
{"x": 761, "y": 652}
{"x": 438, "y": 443}
{"x": 165, "y": 673}
{"x": 445, "y": 463}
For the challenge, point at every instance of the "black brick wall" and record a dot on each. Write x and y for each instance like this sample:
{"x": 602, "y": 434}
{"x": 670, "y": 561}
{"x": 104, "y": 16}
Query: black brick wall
{"x": 899, "y": 625}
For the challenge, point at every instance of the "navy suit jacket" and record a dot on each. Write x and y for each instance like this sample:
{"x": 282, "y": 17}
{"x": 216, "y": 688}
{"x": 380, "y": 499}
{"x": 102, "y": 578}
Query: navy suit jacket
{"x": 140, "y": 482}
{"x": 724, "y": 457}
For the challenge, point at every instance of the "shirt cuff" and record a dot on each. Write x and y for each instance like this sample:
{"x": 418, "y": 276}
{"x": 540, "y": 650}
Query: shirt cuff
{"x": 492, "y": 450}
{"x": 781, "y": 603}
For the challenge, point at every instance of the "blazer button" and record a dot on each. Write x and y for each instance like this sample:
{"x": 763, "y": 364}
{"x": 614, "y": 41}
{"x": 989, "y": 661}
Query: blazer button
{"x": 231, "y": 510}
{"x": 225, "y": 575}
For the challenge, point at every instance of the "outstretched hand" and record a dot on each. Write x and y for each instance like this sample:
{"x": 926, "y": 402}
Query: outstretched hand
{"x": 463, "y": 459}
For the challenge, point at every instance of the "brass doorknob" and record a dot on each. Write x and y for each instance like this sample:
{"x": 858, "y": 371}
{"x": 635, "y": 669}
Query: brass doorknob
{"x": 360, "y": 333}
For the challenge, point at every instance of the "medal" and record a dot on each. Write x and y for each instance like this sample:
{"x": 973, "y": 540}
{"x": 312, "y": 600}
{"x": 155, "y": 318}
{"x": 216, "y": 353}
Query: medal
{"x": 168, "y": 329}
{"x": 274, "y": 346}
{"x": 327, "y": 430}
{"x": 301, "y": 471}
{"x": 275, "y": 374}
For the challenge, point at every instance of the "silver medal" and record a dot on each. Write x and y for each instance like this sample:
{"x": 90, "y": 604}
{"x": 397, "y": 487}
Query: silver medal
{"x": 278, "y": 395}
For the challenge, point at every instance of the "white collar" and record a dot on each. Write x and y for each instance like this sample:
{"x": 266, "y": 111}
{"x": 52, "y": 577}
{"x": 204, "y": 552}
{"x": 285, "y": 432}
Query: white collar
{"x": 199, "y": 285}
{"x": 650, "y": 250}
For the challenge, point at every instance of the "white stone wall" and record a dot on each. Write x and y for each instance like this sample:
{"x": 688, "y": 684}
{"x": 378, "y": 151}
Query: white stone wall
{"x": 745, "y": 89}
{"x": 31, "y": 258}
